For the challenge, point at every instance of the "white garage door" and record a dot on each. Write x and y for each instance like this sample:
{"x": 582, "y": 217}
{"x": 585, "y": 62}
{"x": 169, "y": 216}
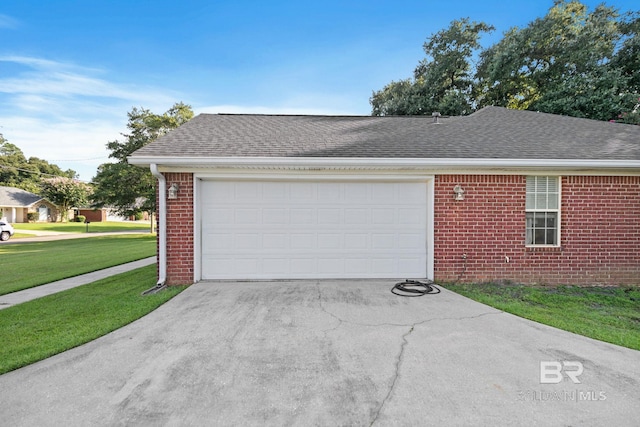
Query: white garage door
{"x": 309, "y": 230}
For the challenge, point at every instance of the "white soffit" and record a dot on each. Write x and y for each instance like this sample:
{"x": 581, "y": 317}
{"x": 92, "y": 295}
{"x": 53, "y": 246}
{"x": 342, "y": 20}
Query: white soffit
{"x": 448, "y": 165}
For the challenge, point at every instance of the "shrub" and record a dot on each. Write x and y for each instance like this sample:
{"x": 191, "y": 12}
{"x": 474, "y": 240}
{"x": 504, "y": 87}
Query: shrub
{"x": 33, "y": 216}
{"x": 80, "y": 218}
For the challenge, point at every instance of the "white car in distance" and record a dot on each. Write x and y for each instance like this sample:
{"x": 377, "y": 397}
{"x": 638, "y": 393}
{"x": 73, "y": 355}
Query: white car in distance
{"x": 6, "y": 231}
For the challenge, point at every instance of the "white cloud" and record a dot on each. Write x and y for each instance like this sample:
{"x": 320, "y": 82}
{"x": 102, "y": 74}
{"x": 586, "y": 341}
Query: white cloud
{"x": 80, "y": 146}
{"x": 66, "y": 114}
{"x": 46, "y": 77}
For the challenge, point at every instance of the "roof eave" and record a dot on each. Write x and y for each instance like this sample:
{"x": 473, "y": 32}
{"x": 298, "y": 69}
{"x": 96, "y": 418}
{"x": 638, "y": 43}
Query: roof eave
{"x": 21, "y": 205}
{"x": 385, "y": 163}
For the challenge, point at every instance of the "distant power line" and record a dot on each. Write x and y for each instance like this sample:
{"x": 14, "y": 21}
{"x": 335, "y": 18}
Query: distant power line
{"x": 38, "y": 172}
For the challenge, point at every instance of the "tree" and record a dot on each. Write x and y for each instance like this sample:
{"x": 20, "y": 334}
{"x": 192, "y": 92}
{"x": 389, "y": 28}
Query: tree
{"x": 66, "y": 193}
{"x": 627, "y": 57}
{"x": 627, "y": 60}
{"x": 571, "y": 61}
{"x": 127, "y": 188}
{"x": 561, "y": 63}
{"x": 11, "y": 161}
{"x": 442, "y": 81}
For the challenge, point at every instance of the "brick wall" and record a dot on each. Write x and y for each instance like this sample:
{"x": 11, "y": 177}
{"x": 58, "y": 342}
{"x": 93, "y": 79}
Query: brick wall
{"x": 482, "y": 238}
{"x": 180, "y": 227}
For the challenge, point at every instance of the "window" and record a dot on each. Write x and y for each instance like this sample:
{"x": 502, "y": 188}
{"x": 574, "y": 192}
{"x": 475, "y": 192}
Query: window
{"x": 543, "y": 210}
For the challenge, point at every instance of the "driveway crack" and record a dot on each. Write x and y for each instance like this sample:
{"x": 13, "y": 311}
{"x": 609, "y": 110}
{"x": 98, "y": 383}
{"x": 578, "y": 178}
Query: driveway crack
{"x": 396, "y": 374}
{"x": 326, "y": 311}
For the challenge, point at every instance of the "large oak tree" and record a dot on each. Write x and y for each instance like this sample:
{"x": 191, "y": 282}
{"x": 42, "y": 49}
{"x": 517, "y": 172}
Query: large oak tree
{"x": 572, "y": 61}
{"x": 126, "y": 188}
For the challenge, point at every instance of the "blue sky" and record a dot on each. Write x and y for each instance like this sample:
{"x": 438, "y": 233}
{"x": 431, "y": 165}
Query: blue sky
{"x": 71, "y": 70}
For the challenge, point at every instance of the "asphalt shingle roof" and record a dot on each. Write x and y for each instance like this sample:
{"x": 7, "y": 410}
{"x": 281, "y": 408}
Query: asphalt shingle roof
{"x": 15, "y": 197}
{"x": 491, "y": 133}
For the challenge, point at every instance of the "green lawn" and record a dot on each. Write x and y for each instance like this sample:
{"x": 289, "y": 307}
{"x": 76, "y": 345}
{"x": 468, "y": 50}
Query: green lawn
{"x": 610, "y": 314}
{"x": 25, "y": 265}
{"x": 38, "y": 329}
{"x": 79, "y": 227}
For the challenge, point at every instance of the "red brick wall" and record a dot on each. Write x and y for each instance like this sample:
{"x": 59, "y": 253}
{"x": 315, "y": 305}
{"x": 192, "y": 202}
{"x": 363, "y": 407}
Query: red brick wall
{"x": 180, "y": 228}
{"x": 93, "y": 215}
{"x": 599, "y": 240}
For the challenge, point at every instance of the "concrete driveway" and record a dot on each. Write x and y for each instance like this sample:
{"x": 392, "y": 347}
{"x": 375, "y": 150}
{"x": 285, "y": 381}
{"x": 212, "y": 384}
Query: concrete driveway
{"x": 327, "y": 353}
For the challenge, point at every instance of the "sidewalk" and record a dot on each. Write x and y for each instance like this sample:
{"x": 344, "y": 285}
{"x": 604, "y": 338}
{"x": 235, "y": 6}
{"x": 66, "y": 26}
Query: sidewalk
{"x": 61, "y": 285}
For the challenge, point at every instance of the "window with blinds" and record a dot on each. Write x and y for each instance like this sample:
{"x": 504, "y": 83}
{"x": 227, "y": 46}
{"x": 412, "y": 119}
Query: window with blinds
{"x": 543, "y": 210}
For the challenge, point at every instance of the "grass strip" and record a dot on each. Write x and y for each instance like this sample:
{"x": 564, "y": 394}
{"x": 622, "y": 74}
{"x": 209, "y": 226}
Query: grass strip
{"x": 610, "y": 314}
{"x": 38, "y": 329}
{"x": 80, "y": 227}
{"x": 25, "y": 265}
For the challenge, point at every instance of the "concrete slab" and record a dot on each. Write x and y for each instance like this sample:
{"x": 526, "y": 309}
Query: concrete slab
{"x": 19, "y": 297}
{"x": 325, "y": 353}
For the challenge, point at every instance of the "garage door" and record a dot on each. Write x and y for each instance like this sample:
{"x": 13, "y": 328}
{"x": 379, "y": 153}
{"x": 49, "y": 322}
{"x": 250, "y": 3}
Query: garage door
{"x": 309, "y": 230}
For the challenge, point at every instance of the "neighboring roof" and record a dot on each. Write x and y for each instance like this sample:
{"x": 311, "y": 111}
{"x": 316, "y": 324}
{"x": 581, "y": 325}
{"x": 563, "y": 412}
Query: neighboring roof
{"x": 16, "y": 198}
{"x": 490, "y": 133}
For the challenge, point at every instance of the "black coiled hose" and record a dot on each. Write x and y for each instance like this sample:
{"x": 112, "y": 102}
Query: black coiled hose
{"x": 414, "y": 288}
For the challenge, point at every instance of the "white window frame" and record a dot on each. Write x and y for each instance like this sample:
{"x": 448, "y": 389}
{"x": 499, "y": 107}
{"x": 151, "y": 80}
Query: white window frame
{"x": 546, "y": 209}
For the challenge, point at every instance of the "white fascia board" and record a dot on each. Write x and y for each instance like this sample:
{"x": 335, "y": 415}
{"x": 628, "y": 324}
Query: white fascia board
{"x": 386, "y": 163}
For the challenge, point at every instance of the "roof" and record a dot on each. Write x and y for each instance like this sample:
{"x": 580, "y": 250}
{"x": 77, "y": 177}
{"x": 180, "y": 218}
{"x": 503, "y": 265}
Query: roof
{"x": 490, "y": 133}
{"x": 16, "y": 198}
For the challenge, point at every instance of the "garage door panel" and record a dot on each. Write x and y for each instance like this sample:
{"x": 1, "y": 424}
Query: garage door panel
{"x": 219, "y": 216}
{"x": 275, "y": 241}
{"x": 302, "y": 191}
{"x": 280, "y": 230}
{"x": 275, "y": 216}
{"x": 247, "y": 216}
{"x": 301, "y": 216}
{"x": 302, "y": 267}
{"x": 356, "y": 216}
{"x": 383, "y": 193}
{"x": 409, "y": 216}
{"x": 383, "y": 241}
{"x": 355, "y": 192}
{"x": 383, "y": 216}
{"x": 411, "y": 265}
{"x": 248, "y": 241}
{"x": 384, "y": 267}
{"x": 357, "y": 265}
{"x": 302, "y": 241}
{"x": 217, "y": 241}
{"x": 356, "y": 241}
{"x": 330, "y": 266}
{"x": 274, "y": 191}
{"x": 329, "y": 216}
{"x": 330, "y": 241}
{"x": 276, "y": 266}
{"x": 329, "y": 192}
{"x": 412, "y": 242}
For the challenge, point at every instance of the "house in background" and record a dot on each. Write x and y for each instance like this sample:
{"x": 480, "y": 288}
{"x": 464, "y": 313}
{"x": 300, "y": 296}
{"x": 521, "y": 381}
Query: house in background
{"x": 16, "y": 204}
{"x": 91, "y": 214}
{"x": 103, "y": 214}
{"x": 497, "y": 195}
